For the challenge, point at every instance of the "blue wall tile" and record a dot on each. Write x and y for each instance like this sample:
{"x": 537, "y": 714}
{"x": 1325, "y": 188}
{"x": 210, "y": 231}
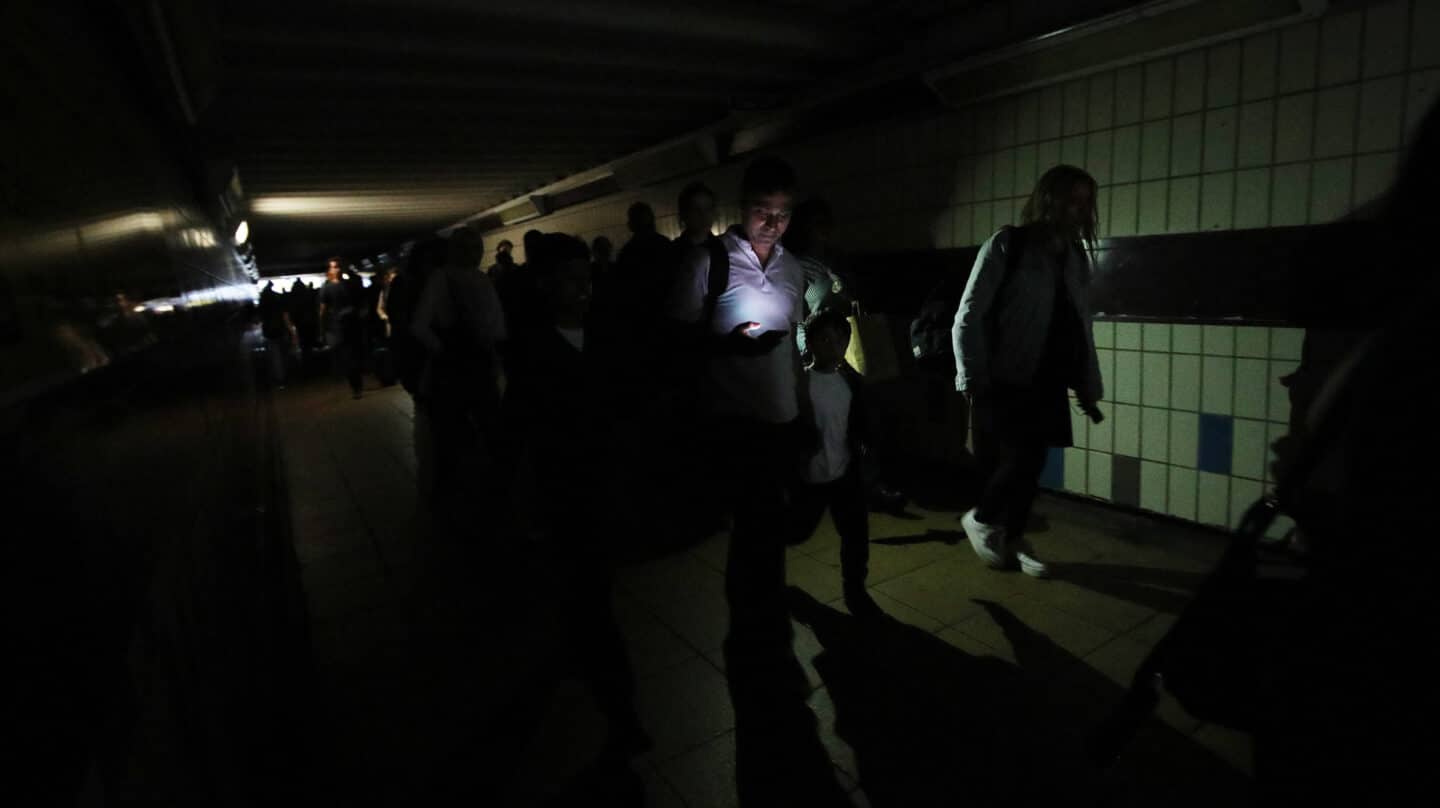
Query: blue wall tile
{"x": 1053, "y": 475}
{"x": 1217, "y": 435}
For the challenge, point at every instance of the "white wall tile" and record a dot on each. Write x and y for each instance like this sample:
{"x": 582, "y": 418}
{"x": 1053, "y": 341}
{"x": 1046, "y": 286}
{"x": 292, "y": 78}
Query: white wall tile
{"x": 1217, "y": 385}
{"x": 1126, "y": 388}
{"x": 980, "y": 228}
{"x": 1127, "y": 429}
{"x": 1097, "y": 481}
{"x": 1097, "y": 156}
{"x": 1243, "y": 494}
{"x": 1155, "y": 434}
{"x": 1217, "y": 201}
{"x": 1295, "y": 127}
{"x": 1125, "y": 163}
{"x": 1340, "y": 47}
{"x": 1004, "y": 127}
{"x": 1004, "y": 173}
{"x": 1373, "y": 175}
{"x": 1047, "y": 156}
{"x": 1331, "y": 181}
{"x": 1252, "y": 198}
{"x": 1154, "y": 486}
{"x": 1153, "y": 198}
{"x": 1184, "y": 490}
{"x": 1185, "y": 382}
{"x": 1128, "y": 336}
{"x": 1075, "y": 466}
{"x": 1214, "y": 503}
{"x": 1101, "y": 101}
{"x": 1129, "y": 94}
{"x": 1052, "y": 107}
{"x": 1155, "y": 379}
{"x": 1189, "y": 81}
{"x": 1298, "y": 47}
{"x": 1184, "y": 438}
{"x": 1256, "y": 142}
{"x": 1278, "y": 404}
{"x": 1077, "y": 94}
{"x": 1219, "y": 340}
{"x": 1385, "y": 38}
{"x": 1382, "y": 109}
{"x": 1027, "y": 111}
{"x": 1159, "y": 88}
{"x": 1005, "y": 212}
{"x": 963, "y": 183}
{"x": 1104, "y": 333}
{"x": 1421, "y": 93}
{"x": 941, "y": 223}
{"x": 964, "y": 226}
{"x": 1425, "y": 34}
{"x": 1186, "y": 141}
{"x": 1122, "y": 209}
{"x": 1290, "y": 195}
{"x": 1251, "y": 385}
{"x": 984, "y": 127}
{"x": 1185, "y": 338}
{"x": 983, "y": 173}
{"x": 1106, "y": 358}
{"x": 1222, "y": 82}
{"x": 1252, "y": 341}
{"x": 1072, "y": 150}
{"x": 1155, "y": 150}
{"x": 1184, "y": 210}
{"x": 1248, "y": 450}
{"x": 1100, "y": 437}
{"x": 1335, "y": 115}
{"x": 1258, "y": 66}
{"x": 1220, "y": 139}
{"x": 1026, "y": 171}
{"x": 1155, "y": 336}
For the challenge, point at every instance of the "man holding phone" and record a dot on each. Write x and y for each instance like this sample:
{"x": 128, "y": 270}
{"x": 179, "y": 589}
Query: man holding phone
{"x": 743, "y": 333}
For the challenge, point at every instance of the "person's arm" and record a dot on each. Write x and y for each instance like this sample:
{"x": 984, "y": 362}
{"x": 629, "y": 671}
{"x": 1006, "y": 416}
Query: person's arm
{"x": 971, "y": 343}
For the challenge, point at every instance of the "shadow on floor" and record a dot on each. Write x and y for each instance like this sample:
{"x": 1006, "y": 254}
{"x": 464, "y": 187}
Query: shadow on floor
{"x": 933, "y": 725}
{"x": 1165, "y": 590}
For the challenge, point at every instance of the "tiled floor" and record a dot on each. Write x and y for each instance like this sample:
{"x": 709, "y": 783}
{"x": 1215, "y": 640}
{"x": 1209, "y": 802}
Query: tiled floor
{"x": 979, "y": 690}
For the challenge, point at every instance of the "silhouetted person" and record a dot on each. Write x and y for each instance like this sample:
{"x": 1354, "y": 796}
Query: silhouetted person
{"x": 460, "y": 323}
{"x": 741, "y": 320}
{"x": 831, "y": 477}
{"x": 384, "y": 280}
{"x": 809, "y": 240}
{"x": 516, "y": 285}
{"x": 602, "y": 257}
{"x": 554, "y": 383}
{"x": 645, "y": 266}
{"x": 339, "y": 315}
{"x": 504, "y": 260}
{"x": 279, "y": 334}
{"x": 426, "y": 257}
{"x": 302, "y": 306}
{"x": 696, "y": 206}
{"x": 1023, "y": 336}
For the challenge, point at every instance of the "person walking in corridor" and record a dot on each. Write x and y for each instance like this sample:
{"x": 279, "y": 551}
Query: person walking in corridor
{"x": 340, "y": 316}
{"x": 1022, "y": 336}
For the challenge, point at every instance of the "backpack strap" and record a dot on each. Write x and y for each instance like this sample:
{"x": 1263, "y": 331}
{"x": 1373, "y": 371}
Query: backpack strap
{"x": 718, "y": 279}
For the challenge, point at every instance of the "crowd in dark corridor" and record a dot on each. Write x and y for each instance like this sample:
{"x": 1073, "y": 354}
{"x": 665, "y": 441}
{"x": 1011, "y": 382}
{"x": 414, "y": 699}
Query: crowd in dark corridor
{"x": 614, "y": 410}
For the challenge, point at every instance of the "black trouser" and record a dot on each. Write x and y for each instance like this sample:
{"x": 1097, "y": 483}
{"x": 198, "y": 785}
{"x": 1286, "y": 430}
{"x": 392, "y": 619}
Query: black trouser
{"x": 348, "y": 348}
{"x": 845, "y": 497}
{"x": 1011, "y": 453}
{"x": 753, "y": 460}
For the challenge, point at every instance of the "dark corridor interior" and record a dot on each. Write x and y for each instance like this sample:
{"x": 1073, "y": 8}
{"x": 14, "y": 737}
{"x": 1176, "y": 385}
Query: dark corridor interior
{"x": 230, "y": 579}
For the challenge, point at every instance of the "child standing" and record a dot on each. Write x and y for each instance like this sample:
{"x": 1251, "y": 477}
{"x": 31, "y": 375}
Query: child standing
{"x": 831, "y": 477}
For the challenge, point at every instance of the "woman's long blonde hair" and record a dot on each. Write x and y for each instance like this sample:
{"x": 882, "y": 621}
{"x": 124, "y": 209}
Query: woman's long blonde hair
{"x": 1052, "y": 194}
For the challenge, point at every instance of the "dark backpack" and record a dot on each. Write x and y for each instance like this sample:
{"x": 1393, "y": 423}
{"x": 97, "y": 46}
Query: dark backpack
{"x": 930, "y": 340}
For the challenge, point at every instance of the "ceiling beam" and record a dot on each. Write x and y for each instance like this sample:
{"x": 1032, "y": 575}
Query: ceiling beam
{"x": 580, "y": 89}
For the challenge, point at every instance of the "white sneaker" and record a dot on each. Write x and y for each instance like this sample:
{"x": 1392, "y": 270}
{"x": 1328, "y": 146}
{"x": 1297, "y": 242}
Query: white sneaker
{"x": 1029, "y": 564}
{"x": 987, "y": 540}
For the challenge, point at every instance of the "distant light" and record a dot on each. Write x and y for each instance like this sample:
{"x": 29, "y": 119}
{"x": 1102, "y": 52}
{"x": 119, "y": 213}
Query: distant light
{"x": 242, "y": 232}
{"x": 164, "y": 308}
{"x": 138, "y": 309}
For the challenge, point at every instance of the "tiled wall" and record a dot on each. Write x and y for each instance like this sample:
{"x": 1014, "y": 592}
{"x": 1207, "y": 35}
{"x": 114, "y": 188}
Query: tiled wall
{"x": 1191, "y": 411}
{"x": 1301, "y": 125}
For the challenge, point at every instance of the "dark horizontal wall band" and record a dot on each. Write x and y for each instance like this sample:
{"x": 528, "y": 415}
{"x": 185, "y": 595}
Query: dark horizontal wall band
{"x": 1264, "y": 277}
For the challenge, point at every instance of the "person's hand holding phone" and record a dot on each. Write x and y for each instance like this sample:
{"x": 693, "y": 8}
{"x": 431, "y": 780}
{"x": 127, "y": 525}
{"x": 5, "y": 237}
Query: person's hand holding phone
{"x": 747, "y": 339}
